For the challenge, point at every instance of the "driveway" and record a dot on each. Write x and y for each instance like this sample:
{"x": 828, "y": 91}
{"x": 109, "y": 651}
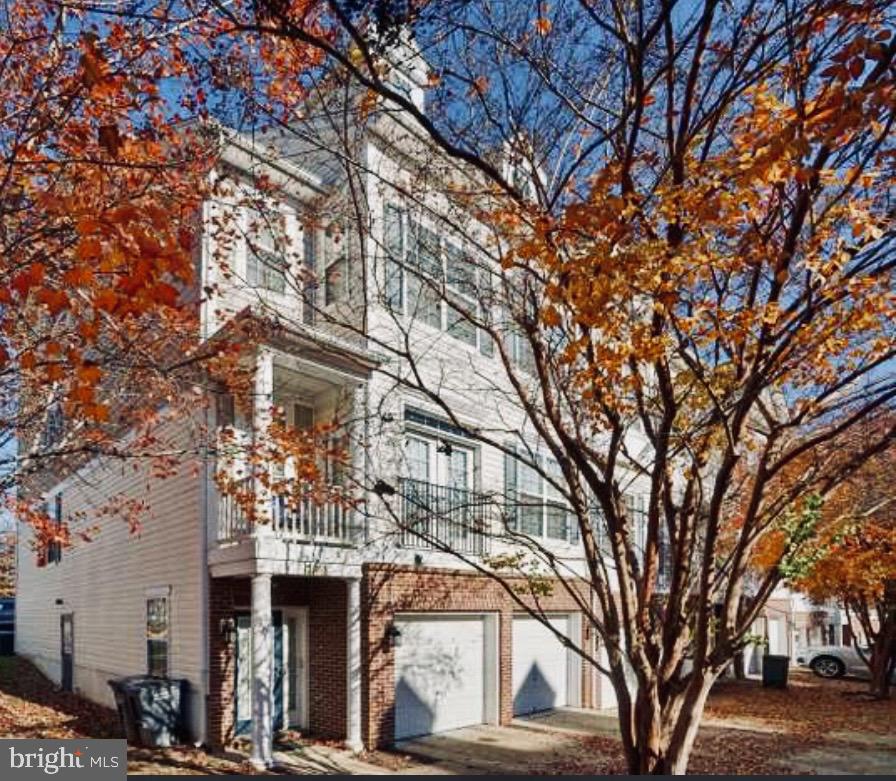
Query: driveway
{"x": 546, "y": 744}
{"x": 815, "y": 727}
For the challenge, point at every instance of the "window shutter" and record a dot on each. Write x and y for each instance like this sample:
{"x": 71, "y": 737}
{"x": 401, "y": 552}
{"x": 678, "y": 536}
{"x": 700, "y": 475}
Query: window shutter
{"x": 511, "y": 506}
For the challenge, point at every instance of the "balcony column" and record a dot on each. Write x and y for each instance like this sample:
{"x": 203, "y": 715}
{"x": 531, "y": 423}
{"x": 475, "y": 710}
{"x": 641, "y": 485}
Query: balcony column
{"x": 353, "y": 666}
{"x": 262, "y": 672}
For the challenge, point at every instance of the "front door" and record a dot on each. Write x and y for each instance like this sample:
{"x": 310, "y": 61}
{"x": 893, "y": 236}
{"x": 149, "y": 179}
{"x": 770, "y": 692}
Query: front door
{"x": 67, "y": 642}
{"x": 243, "y": 703}
{"x": 295, "y": 645}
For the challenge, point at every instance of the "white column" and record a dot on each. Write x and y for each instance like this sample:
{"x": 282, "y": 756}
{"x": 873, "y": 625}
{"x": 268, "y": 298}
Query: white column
{"x": 353, "y": 666}
{"x": 262, "y": 669}
{"x": 262, "y": 417}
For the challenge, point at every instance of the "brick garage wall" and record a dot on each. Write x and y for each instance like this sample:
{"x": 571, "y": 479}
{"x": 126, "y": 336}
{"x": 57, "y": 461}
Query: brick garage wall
{"x": 387, "y": 590}
{"x": 325, "y": 599}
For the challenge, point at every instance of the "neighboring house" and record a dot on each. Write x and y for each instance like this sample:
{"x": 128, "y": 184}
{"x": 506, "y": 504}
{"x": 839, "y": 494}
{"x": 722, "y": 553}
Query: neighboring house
{"x": 790, "y": 623}
{"x": 323, "y": 619}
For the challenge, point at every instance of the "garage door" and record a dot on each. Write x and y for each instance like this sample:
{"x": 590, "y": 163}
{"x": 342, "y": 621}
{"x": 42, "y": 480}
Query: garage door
{"x": 439, "y": 674}
{"x": 540, "y": 665}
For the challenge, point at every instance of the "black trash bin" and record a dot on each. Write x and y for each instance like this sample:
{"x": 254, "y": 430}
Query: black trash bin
{"x": 125, "y": 711}
{"x": 157, "y": 704}
{"x": 774, "y": 670}
{"x": 150, "y": 709}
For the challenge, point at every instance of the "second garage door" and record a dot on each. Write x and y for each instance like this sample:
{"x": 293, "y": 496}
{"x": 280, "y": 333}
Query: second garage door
{"x": 439, "y": 674}
{"x": 540, "y": 665}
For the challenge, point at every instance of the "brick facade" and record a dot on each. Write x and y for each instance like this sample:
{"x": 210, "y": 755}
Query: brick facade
{"x": 385, "y": 591}
{"x": 325, "y": 599}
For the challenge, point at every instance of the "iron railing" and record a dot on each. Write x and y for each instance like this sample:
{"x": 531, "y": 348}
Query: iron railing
{"x": 436, "y": 517}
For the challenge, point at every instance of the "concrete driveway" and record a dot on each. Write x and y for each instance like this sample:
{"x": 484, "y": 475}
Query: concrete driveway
{"x": 528, "y": 746}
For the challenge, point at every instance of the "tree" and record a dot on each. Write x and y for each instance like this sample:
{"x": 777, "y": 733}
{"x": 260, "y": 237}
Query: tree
{"x": 677, "y": 232}
{"x": 858, "y": 568}
{"x": 105, "y": 165}
{"x": 7, "y": 564}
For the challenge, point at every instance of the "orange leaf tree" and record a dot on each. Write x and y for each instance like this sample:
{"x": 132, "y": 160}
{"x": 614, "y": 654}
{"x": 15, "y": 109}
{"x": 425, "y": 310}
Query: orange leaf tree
{"x": 679, "y": 223}
{"x": 858, "y": 566}
{"x": 103, "y": 171}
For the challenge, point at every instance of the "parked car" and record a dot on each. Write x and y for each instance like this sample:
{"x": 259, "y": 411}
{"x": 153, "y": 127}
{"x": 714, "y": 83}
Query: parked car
{"x": 834, "y": 661}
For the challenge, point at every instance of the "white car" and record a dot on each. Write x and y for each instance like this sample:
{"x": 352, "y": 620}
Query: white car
{"x": 834, "y": 661}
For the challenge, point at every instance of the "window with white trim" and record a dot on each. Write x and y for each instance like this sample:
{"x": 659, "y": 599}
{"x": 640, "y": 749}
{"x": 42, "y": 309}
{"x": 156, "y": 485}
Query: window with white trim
{"x": 534, "y": 505}
{"x": 267, "y": 265}
{"x": 158, "y": 635}
{"x": 335, "y": 265}
{"x": 434, "y": 280}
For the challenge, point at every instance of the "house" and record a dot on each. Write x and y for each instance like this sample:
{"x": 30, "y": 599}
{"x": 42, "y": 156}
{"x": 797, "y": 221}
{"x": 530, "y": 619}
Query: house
{"x": 348, "y": 621}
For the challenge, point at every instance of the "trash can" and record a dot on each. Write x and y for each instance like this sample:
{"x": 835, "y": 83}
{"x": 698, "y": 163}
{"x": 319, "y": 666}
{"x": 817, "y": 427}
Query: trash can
{"x": 774, "y": 670}
{"x": 151, "y": 709}
{"x": 125, "y": 711}
{"x": 158, "y": 706}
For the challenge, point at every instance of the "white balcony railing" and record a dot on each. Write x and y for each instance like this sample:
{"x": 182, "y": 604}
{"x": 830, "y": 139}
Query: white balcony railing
{"x": 325, "y": 523}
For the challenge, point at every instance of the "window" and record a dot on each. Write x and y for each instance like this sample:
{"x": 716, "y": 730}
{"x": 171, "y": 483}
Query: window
{"x": 439, "y": 462}
{"x": 534, "y": 506}
{"x": 334, "y": 282}
{"x": 157, "y": 635}
{"x": 266, "y": 264}
{"x": 225, "y": 411}
{"x": 393, "y": 232}
{"x": 461, "y": 279}
{"x": 55, "y": 426}
{"x": 424, "y": 300}
{"x": 54, "y": 549}
{"x": 309, "y": 261}
{"x": 417, "y": 263}
{"x": 336, "y": 271}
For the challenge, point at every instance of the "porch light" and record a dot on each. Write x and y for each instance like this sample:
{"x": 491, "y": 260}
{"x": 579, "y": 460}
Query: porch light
{"x": 393, "y": 635}
{"x": 227, "y": 627}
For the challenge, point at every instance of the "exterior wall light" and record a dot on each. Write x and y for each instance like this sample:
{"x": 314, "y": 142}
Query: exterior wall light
{"x": 393, "y": 635}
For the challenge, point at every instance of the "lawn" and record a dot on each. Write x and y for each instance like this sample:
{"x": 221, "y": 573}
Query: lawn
{"x": 814, "y": 726}
{"x": 32, "y": 707}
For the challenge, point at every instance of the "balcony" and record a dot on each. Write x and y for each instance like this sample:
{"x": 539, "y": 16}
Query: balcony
{"x": 436, "y": 517}
{"x": 308, "y": 522}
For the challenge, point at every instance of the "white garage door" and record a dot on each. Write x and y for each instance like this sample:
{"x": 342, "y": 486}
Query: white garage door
{"x": 439, "y": 674}
{"x": 540, "y": 665}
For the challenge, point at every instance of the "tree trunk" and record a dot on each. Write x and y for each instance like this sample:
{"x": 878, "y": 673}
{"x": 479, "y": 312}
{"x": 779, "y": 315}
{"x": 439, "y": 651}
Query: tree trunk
{"x": 881, "y": 665}
{"x": 662, "y": 736}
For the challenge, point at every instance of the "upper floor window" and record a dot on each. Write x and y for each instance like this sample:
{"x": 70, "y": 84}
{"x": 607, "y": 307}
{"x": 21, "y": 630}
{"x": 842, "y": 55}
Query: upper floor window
{"x": 534, "y": 505}
{"x": 309, "y": 286}
{"x": 335, "y": 265}
{"x": 54, "y": 427}
{"x": 434, "y": 280}
{"x": 54, "y": 550}
{"x": 267, "y": 265}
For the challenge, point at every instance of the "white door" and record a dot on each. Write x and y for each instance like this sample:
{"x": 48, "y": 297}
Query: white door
{"x": 295, "y": 668}
{"x": 439, "y": 674}
{"x": 445, "y": 464}
{"x": 540, "y": 665}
